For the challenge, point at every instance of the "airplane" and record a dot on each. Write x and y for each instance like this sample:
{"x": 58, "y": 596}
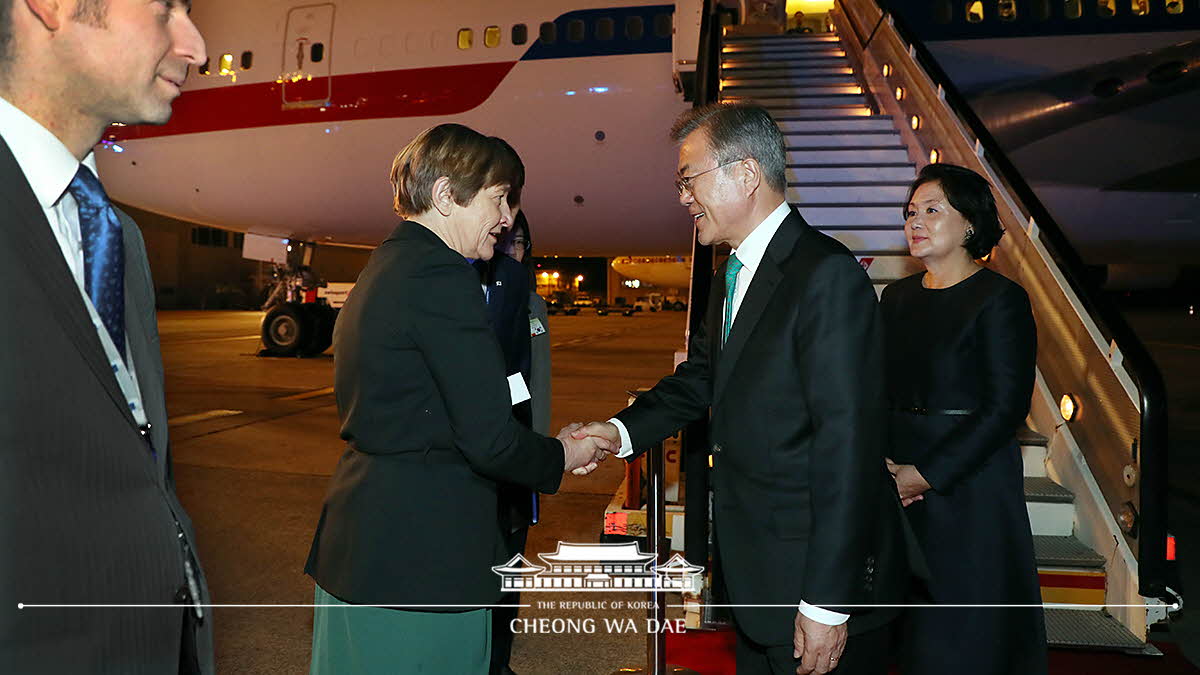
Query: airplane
{"x": 290, "y": 129}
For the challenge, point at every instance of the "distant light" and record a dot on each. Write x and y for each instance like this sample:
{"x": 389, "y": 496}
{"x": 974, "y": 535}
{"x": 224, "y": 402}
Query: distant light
{"x": 555, "y": 275}
{"x": 545, "y": 275}
{"x": 571, "y": 92}
{"x": 1068, "y": 407}
{"x": 1191, "y": 310}
{"x": 915, "y": 122}
{"x": 935, "y": 156}
{"x": 598, "y": 90}
{"x": 289, "y": 248}
{"x": 887, "y": 70}
{"x": 579, "y": 278}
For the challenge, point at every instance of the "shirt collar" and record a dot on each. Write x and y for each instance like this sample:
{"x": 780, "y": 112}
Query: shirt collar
{"x": 754, "y": 246}
{"x": 47, "y": 164}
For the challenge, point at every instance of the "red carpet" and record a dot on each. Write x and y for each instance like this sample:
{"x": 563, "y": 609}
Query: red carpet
{"x": 711, "y": 653}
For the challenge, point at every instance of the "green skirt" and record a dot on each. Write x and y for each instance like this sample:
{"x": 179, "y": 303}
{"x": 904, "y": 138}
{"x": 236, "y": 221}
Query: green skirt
{"x": 352, "y": 640}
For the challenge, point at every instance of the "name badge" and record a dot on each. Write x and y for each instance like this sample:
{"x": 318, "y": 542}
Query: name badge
{"x": 535, "y": 327}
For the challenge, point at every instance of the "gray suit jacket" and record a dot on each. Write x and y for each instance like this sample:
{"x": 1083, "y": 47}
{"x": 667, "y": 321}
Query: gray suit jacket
{"x": 90, "y": 514}
{"x": 539, "y": 367}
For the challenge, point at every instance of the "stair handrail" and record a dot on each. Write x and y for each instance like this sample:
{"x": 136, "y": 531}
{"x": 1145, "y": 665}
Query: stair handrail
{"x": 1134, "y": 358}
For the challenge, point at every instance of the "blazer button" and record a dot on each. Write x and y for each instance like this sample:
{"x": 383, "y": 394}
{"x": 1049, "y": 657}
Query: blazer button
{"x": 716, "y": 449}
{"x": 183, "y": 596}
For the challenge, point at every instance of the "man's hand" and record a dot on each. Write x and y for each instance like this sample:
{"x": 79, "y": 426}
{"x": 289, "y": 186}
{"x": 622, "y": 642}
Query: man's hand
{"x": 581, "y": 456}
{"x": 909, "y": 482}
{"x": 818, "y": 646}
{"x": 606, "y": 430}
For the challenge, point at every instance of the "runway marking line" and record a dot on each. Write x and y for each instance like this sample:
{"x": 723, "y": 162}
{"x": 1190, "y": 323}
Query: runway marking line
{"x": 305, "y": 395}
{"x": 202, "y": 416}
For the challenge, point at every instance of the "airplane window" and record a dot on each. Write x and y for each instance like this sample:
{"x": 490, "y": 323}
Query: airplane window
{"x": 1072, "y": 9}
{"x": 1040, "y": 9}
{"x": 635, "y": 28}
{"x": 1008, "y": 10}
{"x": 1106, "y": 9}
{"x": 1140, "y": 7}
{"x": 247, "y": 60}
{"x": 943, "y": 11}
{"x": 226, "y": 64}
{"x": 975, "y": 11}
{"x": 520, "y": 34}
{"x": 491, "y": 36}
{"x": 575, "y": 30}
{"x": 1174, "y": 6}
{"x": 604, "y": 29}
{"x": 548, "y": 32}
{"x": 318, "y": 52}
{"x": 204, "y": 68}
{"x": 662, "y": 25}
{"x": 465, "y": 38}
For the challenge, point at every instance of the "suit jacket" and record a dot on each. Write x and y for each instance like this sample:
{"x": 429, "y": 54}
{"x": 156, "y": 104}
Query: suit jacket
{"x": 803, "y": 507}
{"x": 507, "y": 282}
{"x": 539, "y": 365}
{"x": 410, "y": 516}
{"x": 91, "y": 513}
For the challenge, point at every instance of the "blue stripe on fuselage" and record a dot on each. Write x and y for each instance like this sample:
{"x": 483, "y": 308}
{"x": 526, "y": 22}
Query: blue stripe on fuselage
{"x": 591, "y": 45}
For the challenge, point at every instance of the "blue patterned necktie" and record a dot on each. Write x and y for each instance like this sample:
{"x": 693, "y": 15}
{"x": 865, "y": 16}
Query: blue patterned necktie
{"x": 731, "y": 272}
{"x": 103, "y": 253}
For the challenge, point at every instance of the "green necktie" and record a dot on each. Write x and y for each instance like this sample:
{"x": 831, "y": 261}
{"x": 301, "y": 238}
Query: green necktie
{"x": 731, "y": 272}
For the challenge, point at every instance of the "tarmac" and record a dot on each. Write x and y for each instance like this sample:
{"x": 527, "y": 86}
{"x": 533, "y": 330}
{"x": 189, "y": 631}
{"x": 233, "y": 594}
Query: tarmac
{"x": 255, "y": 440}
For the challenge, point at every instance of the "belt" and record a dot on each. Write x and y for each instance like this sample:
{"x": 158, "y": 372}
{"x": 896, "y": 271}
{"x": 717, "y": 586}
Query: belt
{"x": 935, "y": 411}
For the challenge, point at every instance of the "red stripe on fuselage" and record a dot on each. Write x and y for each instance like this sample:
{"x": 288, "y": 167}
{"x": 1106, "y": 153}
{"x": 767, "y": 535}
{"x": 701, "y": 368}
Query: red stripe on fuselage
{"x": 415, "y": 92}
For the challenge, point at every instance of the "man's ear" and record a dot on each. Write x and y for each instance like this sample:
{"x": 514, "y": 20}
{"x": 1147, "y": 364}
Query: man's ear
{"x": 750, "y": 175}
{"x": 443, "y": 198}
{"x": 48, "y": 12}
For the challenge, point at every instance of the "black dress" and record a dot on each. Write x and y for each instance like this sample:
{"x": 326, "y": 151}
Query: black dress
{"x": 960, "y": 367}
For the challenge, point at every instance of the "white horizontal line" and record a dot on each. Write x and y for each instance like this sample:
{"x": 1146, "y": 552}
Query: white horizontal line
{"x": 1046, "y": 605}
{"x": 200, "y": 417}
{"x": 25, "y": 605}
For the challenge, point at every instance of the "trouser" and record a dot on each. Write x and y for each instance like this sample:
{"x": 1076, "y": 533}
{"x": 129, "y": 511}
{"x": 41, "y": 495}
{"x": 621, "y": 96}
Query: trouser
{"x": 866, "y": 653}
{"x": 502, "y": 635}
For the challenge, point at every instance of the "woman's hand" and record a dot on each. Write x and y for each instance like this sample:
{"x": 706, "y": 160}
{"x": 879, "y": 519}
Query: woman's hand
{"x": 909, "y": 482}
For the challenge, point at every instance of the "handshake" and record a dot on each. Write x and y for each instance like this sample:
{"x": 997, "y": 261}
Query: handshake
{"x": 586, "y": 445}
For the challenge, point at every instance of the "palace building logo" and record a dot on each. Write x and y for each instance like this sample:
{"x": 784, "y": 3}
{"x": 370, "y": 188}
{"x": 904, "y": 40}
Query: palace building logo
{"x": 599, "y": 567}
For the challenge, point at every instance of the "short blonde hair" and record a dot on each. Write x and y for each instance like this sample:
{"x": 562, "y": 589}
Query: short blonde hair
{"x": 469, "y": 159}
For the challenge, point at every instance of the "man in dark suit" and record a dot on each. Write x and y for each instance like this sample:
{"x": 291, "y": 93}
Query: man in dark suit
{"x": 789, "y": 361}
{"x": 91, "y": 511}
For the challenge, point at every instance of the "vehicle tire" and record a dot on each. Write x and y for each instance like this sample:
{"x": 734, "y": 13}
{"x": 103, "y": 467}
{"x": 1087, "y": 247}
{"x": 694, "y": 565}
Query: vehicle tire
{"x": 286, "y": 329}
{"x": 321, "y": 337}
{"x": 679, "y": 306}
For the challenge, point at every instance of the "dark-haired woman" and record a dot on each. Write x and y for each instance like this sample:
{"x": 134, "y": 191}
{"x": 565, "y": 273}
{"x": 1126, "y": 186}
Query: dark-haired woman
{"x": 961, "y": 351}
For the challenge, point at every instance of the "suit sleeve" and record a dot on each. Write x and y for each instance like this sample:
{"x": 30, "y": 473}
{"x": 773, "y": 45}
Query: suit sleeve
{"x": 840, "y": 357}
{"x": 1007, "y": 348}
{"x": 462, "y": 355}
{"x": 676, "y": 400}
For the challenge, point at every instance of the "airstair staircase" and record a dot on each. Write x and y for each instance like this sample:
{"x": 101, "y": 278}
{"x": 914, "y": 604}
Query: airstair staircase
{"x": 848, "y": 174}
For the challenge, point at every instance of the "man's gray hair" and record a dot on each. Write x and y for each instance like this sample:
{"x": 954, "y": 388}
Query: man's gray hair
{"x": 739, "y": 131}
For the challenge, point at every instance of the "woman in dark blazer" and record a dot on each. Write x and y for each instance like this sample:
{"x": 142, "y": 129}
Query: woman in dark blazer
{"x": 410, "y": 519}
{"x": 961, "y": 351}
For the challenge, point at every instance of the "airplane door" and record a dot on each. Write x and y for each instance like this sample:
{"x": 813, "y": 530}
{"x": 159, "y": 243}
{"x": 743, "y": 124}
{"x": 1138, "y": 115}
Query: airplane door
{"x": 307, "y": 56}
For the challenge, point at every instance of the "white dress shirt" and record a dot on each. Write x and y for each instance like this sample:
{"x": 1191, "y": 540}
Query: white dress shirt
{"x": 50, "y": 167}
{"x": 751, "y": 253}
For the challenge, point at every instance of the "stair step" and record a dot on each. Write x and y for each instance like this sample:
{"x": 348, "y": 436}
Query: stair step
{"x": 1050, "y": 506}
{"x": 848, "y": 156}
{"x": 1027, "y": 436}
{"x": 851, "y": 174}
{"x": 802, "y": 69}
{"x": 822, "y": 215}
{"x": 791, "y": 61}
{"x": 842, "y": 139}
{"x": 787, "y": 37}
{"x": 1089, "y": 629}
{"x": 819, "y": 112}
{"x": 1063, "y": 551}
{"x": 890, "y": 242}
{"x": 1033, "y": 452}
{"x": 729, "y": 80}
{"x": 783, "y": 48}
{"x": 800, "y": 91}
{"x": 814, "y": 101}
{"x": 873, "y": 194}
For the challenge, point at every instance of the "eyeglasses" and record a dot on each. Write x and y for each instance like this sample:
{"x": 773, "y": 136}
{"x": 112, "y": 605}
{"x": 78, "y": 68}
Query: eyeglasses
{"x": 684, "y": 183}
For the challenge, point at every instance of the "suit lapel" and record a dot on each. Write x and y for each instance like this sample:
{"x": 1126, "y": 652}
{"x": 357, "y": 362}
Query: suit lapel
{"x": 142, "y": 336}
{"x": 766, "y": 279}
{"x": 31, "y": 236}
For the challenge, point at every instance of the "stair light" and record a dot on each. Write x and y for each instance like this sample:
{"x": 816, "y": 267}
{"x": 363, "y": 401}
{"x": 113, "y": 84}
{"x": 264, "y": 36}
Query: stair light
{"x": 1127, "y": 518}
{"x": 1068, "y": 407}
{"x": 915, "y": 122}
{"x": 887, "y": 70}
{"x": 899, "y": 93}
{"x": 935, "y": 156}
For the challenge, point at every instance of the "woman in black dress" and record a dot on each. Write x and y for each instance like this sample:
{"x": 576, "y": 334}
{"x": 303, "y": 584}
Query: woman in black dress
{"x": 961, "y": 351}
